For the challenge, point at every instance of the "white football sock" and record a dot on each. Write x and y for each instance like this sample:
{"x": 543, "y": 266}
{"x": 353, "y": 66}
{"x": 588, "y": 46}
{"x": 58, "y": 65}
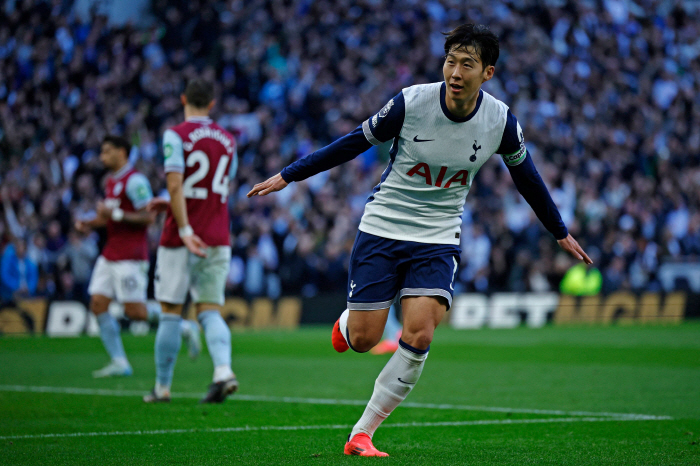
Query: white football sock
{"x": 343, "y": 324}
{"x": 162, "y": 390}
{"x": 121, "y": 361}
{"x": 394, "y": 383}
{"x": 222, "y": 373}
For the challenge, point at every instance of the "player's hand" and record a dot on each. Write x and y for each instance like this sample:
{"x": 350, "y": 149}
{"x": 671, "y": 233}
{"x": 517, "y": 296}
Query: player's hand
{"x": 158, "y": 204}
{"x": 195, "y": 245}
{"x": 570, "y": 245}
{"x": 103, "y": 211}
{"x": 81, "y": 227}
{"x": 276, "y": 183}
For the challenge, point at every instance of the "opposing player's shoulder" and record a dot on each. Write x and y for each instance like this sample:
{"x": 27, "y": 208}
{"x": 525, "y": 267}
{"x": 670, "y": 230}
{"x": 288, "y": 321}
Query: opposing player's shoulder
{"x": 226, "y": 132}
{"x": 224, "y": 137}
{"x": 138, "y": 189}
{"x": 179, "y": 129}
{"x": 137, "y": 178}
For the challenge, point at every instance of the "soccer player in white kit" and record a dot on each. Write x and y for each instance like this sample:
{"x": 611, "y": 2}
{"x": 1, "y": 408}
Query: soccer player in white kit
{"x": 408, "y": 239}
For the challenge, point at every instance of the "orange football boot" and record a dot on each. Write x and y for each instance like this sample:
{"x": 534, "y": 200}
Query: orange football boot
{"x": 387, "y": 345}
{"x": 361, "y": 445}
{"x": 338, "y": 340}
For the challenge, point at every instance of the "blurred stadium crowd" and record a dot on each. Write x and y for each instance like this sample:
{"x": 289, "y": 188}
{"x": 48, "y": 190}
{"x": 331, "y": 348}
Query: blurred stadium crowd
{"x": 607, "y": 92}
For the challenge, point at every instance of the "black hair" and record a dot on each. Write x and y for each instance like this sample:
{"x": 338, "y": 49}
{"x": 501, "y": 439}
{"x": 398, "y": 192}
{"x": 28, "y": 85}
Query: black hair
{"x": 199, "y": 93}
{"x": 480, "y": 37}
{"x": 118, "y": 141}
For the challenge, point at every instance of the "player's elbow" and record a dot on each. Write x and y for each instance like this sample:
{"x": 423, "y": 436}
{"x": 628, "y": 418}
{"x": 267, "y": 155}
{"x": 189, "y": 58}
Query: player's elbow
{"x": 173, "y": 182}
{"x": 174, "y": 188}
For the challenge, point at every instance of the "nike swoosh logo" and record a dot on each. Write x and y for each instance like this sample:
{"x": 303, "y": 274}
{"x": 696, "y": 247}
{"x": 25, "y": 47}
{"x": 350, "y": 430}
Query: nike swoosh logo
{"x": 407, "y": 383}
{"x": 415, "y": 139}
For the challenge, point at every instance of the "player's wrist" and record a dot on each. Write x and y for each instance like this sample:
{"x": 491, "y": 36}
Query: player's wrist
{"x": 284, "y": 175}
{"x": 185, "y": 231}
{"x": 117, "y": 214}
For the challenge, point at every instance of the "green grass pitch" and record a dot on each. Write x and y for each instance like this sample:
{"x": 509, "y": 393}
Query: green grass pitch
{"x": 550, "y": 396}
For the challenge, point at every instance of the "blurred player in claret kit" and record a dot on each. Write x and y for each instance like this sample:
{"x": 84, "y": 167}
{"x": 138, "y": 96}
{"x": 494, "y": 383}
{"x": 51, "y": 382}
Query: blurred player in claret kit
{"x": 121, "y": 271}
{"x": 194, "y": 253}
{"x": 408, "y": 243}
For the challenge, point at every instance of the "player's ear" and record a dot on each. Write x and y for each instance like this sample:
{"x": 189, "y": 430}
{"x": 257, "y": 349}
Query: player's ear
{"x": 488, "y": 73}
{"x": 183, "y": 99}
{"x": 211, "y": 105}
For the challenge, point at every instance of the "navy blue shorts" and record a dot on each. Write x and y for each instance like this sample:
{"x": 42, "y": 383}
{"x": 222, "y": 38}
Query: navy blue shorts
{"x": 381, "y": 268}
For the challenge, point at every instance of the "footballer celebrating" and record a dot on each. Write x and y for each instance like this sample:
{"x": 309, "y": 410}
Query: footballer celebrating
{"x": 194, "y": 253}
{"x": 121, "y": 271}
{"x": 408, "y": 239}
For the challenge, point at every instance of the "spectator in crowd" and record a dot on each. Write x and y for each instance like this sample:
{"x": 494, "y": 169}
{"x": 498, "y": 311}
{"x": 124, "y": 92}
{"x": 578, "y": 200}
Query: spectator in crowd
{"x": 607, "y": 96}
{"x": 18, "y": 273}
{"x": 80, "y": 252}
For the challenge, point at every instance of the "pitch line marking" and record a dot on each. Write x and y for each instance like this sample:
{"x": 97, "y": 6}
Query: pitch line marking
{"x": 328, "y": 401}
{"x": 318, "y": 427}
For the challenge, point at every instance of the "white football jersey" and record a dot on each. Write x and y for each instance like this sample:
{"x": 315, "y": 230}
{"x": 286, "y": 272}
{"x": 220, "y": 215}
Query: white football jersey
{"x": 434, "y": 158}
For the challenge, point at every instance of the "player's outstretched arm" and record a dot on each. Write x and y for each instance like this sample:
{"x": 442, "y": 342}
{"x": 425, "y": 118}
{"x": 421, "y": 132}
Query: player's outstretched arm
{"x": 384, "y": 126}
{"x": 535, "y": 192}
{"x": 271, "y": 185}
{"x": 570, "y": 245}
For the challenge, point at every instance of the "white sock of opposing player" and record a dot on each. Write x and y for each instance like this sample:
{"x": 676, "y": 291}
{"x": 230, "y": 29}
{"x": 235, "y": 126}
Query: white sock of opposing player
{"x": 218, "y": 337}
{"x": 394, "y": 383}
{"x": 343, "y": 324}
{"x": 153, "y": 310}
{"x": 168, "y": 342}
{"x": 111, "y": 338}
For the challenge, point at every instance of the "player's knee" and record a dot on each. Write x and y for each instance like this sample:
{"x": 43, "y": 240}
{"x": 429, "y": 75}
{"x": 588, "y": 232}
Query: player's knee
{"x": 362, "y": 341}
{"x": 420, "y": 339}
{"x": 136, "y": 311}
{"x": 99, "y": 305}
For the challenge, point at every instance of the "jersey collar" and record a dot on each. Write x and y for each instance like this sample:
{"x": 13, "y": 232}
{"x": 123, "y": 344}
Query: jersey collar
{"x": 122, "y": 171}
{"x": 448, "y": 114}
{"x": 199, "y": 119}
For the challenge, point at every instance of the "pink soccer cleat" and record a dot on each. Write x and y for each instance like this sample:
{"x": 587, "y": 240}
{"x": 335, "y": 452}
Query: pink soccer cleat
{"x": 361, "y": 445}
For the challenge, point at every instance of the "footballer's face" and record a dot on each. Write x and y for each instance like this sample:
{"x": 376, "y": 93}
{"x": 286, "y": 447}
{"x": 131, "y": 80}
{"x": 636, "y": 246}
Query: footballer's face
{"x": 464, "y": 73}
{"x": 112, "y": 157}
